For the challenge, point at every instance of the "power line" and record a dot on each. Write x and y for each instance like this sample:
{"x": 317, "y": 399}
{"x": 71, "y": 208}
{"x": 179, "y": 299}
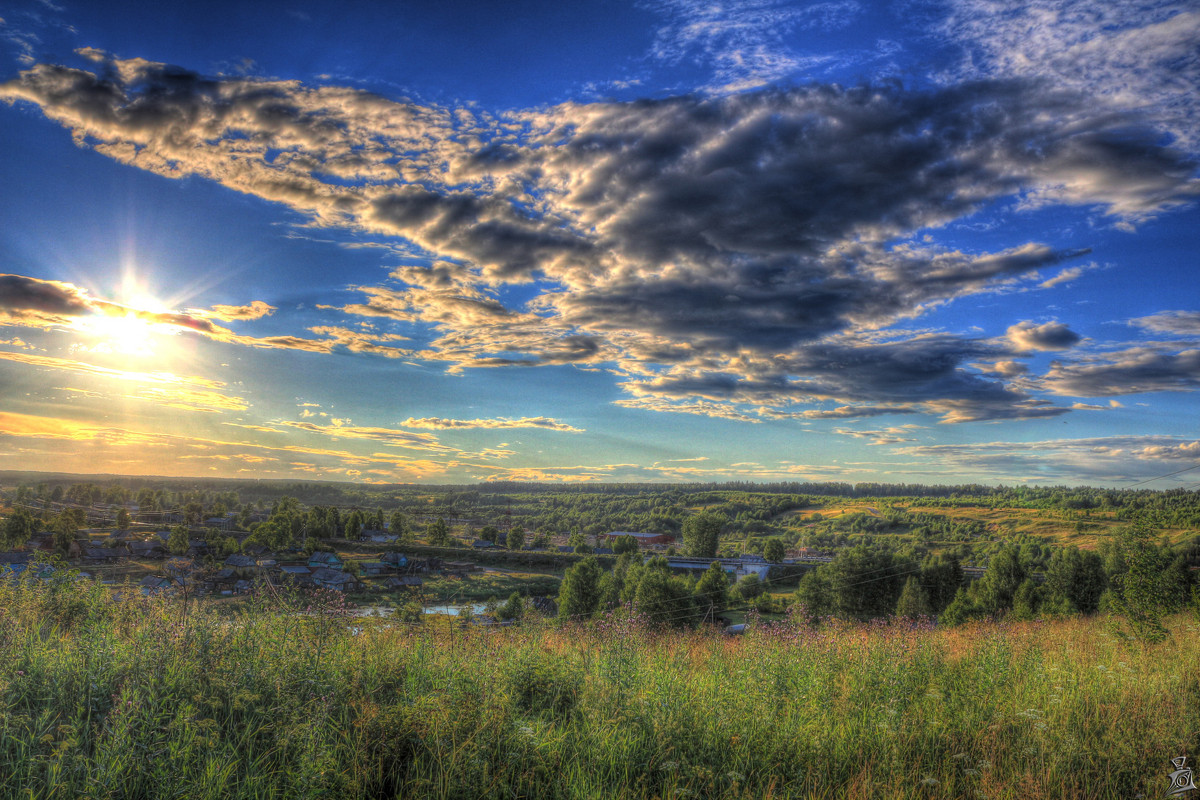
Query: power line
{"x": 1160, "y": 477}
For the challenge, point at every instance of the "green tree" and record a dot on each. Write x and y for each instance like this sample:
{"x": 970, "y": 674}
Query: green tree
{"x": 438, "y": 533}
{"x": 193, "y": 513}
{"x": 66, "y": 529}
{"x": 123, "y": 519}
{"x": 750, "y": 587}
{"x": 998, "y": 586}
{"x": 18, "y": 528}
{"x": 354, "y": 524}
{"x": 814, "y": 594}
{"x": 866, "y": 582}
{"x": 702, "y": 534}
{"x": 177, "y": 542}
{"x": 489, "y": 533}
{"x": 579, "y": 593}
{"x": 625, "y": 544}
{"x": 664, "y": 600}
{"x": 514, "y": 608}
{"x": 712, "y": 591}
{"x": 961, "y": 609}
{"x": 1027, "y": 601}
{"x": 1137, "y": 588}
{"x": 398, "y": 526}
{"x": 516, "y": 538}
{"x": 774, "y": 551}
{"x": 1075, "y": 580}
{"x": 913, "y": 602}
{"x": 941, "y": 578}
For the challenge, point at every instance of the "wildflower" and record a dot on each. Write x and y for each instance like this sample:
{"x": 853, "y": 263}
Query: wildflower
{"x": 930, "y": 782}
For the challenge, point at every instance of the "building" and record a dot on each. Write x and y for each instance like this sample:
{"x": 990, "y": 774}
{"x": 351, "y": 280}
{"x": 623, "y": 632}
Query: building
{"x": 324, "y": 560}
{"x": 736, "y": 568}
{"x": 643, "y": 539}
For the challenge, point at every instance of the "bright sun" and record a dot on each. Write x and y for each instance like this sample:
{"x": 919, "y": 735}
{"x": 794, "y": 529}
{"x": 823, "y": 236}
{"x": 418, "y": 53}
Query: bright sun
{"x": 121, "y": 334}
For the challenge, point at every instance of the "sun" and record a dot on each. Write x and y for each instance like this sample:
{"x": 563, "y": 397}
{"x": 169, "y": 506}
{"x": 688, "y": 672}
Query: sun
{"x": 125, "y": 333}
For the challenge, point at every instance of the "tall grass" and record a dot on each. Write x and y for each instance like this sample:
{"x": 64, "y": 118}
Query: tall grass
{"x": 144, "y": 697}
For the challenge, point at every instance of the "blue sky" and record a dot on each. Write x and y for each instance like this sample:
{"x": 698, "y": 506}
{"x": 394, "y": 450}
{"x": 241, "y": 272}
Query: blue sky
{"x": 934, "y": 242}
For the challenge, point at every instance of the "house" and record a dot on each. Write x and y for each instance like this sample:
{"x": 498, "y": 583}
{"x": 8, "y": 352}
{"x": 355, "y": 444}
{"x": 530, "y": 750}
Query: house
{"x": 395, "y": 560}
{"x": 255, "y": 549}
{"x": 323, "y": 560}
{"x": 643, "y": 539}
{"x": 375, "y": 535}
{"x": 223, "y": 581}
{"x": 150, "y": 549}
{"x": 403, "y": 582}
{"x": 179, "y": 567}
{"x": 336, "y": 580}
{"x": 242, "y": 566}
{"x": 482, "y": 544}
{"x": 296, "y": 573}
{"x": 241, "y": 586}
{"x": 154, "y": 584}
{"x": 374, "y": 569}
{"x": 602, "y": 551}
{"x": 458, "y": 566}
{"x": 101, "y": 554}
{"x": 13, "y": 563}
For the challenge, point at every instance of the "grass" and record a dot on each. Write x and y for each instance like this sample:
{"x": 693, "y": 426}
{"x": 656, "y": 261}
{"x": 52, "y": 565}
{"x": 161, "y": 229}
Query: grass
{"x": 139, "y": 697}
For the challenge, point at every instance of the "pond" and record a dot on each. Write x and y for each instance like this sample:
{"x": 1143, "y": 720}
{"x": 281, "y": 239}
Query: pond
{"x": 451, "y": 610}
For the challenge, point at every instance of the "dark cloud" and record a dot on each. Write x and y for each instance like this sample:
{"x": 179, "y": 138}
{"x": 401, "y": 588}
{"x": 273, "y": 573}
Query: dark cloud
{"x": 926, "y": 372}
{"x": 1131, "y": 371}
{"x": 22, "y": 297}
{"x": 724, "y": 249}
{"x": 1026, "y": 336}
{"x": 852, "y": 412}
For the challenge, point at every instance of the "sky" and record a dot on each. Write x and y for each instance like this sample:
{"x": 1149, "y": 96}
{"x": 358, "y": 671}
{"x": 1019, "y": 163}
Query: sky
{"x": 657, "y": 240}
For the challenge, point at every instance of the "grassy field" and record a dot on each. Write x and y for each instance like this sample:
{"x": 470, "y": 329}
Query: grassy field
{"x": 1081, "y": 529}
{"x": 293, "y": 698}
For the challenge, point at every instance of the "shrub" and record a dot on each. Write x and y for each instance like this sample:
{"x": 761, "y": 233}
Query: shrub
{"x": 544, "y": 685}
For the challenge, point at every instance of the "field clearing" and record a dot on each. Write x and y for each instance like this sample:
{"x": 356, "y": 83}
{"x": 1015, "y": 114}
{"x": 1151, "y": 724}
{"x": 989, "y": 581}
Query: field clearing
{"x": 268, "y": 702}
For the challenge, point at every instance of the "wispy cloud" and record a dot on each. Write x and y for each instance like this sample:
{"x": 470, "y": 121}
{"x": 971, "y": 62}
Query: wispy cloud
{"x": 1112, "y": 459}
{"x": 438, "y": 424}
{"x": 745, "y": 44}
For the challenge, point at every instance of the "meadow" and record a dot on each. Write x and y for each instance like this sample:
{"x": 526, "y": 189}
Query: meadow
{"x": 293, "y": 697}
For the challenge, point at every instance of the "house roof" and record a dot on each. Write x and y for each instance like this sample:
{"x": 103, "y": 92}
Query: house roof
{"x": 333, "y": 576}
{"x": 239, "y": 561}
{"x": 640, "y": 535}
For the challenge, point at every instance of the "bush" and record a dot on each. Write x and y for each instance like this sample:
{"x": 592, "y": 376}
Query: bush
{"x": 544, "y": 685}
